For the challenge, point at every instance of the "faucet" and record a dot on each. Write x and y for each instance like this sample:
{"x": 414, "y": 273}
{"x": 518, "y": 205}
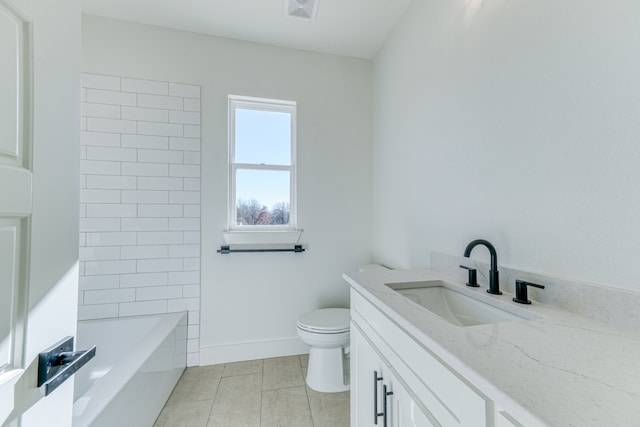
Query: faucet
{"x": 494, "y": 283}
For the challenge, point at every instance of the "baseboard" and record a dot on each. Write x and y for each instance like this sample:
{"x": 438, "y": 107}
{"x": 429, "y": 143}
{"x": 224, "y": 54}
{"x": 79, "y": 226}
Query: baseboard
{"x": 251, "y": 350}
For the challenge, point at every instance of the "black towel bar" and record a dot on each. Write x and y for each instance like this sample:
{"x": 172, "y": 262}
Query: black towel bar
{"x": 227, "y": 250}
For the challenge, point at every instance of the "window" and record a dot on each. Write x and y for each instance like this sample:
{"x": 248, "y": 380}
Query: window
{"x": 262, "y": 153}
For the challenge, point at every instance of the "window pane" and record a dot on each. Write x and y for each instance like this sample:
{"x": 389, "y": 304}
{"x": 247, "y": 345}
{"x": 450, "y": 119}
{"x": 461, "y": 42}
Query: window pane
{"x": 262, "y": 197}
{"x": 263, "y": 137}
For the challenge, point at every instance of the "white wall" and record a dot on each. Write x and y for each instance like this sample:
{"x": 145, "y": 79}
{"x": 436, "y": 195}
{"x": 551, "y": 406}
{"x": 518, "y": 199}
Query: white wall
{"x": 140, "y": 200}
{"x": 250, "y": 302}
{"x": 516, "y": 122}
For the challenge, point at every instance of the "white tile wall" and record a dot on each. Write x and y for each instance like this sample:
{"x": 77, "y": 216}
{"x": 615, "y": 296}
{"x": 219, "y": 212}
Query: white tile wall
{"x": 161, "y": 129}
{"x": 145, "y": 114}
{"x": 100, "y": 168}
{"x": 144, "y": 279}
{"x": 111, "y": 210}
{"x": 187, "y": 144}
{"x": 111, "y": 125}
{"x": 140, "y": 200}
{"x": 145, "y": 169}
{"x": 100, "y": 139}
{"x": 160, "y": 156}
{"x": 185, "y": 91}
{"x": 88, "y": 283}
{"x": 160, "y": 238}
{"x": 102, "y": 110}
{"x": 100, "y": 253}
{"x": 164, "y": 102}
{"x": 144, "y": 252}
{"x": 111, "y": 153}
{"x": 97, "y": 81}
{"x": 111, "y": 182}
{"x": 110, "y": 97}
{"x": 99, "y": 224}
{"x": 148, "y": 141}
{"x": 145, "y": 197}
{"x": 145, "y": 224}
{"x": 160, "y": 183}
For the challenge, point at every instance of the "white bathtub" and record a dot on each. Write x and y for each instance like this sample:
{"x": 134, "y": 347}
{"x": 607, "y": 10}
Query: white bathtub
{"x": 138, "y": 362}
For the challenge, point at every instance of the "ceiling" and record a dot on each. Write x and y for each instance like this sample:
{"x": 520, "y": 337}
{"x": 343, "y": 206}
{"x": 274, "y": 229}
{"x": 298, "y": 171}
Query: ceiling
{"x": 355, "y": 28}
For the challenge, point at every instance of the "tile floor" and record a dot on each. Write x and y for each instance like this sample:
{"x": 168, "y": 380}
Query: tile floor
{"x": 260, "y": 393}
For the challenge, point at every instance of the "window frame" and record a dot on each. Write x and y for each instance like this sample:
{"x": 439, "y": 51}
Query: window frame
{"x": 261, "y": 104}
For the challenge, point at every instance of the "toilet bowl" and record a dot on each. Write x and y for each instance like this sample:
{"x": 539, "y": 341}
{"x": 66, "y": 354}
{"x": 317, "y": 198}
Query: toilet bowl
{"x": 326, "y": 332}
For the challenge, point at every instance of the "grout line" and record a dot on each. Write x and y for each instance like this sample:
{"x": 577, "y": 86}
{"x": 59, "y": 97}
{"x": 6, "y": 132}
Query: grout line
{"x": 262, "y": 391}
{"x": 306, "y": 392}
{"x": 213, "y": 401}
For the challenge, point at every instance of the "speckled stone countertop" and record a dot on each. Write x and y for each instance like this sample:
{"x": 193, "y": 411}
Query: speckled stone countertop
{"x": 561, "y": 369}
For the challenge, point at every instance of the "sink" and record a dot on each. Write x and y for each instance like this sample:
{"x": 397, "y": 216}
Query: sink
{"x": 456, "y": 304}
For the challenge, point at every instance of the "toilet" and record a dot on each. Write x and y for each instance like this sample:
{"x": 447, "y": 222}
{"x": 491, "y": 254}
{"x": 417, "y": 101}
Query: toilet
{"x": 326, "y": 332}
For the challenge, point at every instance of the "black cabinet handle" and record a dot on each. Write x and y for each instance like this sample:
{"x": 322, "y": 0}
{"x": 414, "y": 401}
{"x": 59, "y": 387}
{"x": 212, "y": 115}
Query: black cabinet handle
{"x": 376, "y": 414}
{"x": 386, "y": 411}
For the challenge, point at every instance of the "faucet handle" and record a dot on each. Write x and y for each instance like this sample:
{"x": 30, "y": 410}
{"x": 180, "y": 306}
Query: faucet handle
{"x": 521, "y": 291}
{"x": 473, "y": 276}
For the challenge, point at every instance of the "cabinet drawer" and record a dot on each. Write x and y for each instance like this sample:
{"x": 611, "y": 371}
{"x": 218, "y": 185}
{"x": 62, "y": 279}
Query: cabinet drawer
{"x": 447, "y": 397}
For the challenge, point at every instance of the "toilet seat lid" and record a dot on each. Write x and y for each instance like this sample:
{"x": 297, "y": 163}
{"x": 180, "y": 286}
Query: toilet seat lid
{"x": 327, "y": 320}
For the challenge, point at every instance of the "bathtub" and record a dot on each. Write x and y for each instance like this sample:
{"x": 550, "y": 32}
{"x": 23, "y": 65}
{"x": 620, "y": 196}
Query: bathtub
{"x": 138, "y": 362}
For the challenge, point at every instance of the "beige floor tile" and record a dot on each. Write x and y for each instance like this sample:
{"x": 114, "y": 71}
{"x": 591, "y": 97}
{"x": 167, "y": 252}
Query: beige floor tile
{"x": 304, "y": 360}
{"x": 243, "y": 368}
{"x": 190, "y": 414}
{"x": 282, "y": 372}
{"x": 197, "y": 383}
{"x": 237, "y": 402}
{"x": 240, "y": 394}
{"x": 286, "y": 407}
{"x": 329, "y": 409}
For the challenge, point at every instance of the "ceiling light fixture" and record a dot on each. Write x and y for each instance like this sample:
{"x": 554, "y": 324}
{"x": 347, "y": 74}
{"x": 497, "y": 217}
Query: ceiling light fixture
{"x": 305, "y": 9}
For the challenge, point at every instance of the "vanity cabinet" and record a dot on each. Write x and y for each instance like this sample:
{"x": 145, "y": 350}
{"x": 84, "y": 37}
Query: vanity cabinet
{"x": 425, "y": 391}
{"x": 378, "y": 396}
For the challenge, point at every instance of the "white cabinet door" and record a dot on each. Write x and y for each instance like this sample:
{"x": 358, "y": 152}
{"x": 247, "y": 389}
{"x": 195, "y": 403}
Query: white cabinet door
{"x": 407, "y": 411}
{"x": 378, "y": 397}
{"x": 39, "y": 181}
{"x": 367, "y": 374}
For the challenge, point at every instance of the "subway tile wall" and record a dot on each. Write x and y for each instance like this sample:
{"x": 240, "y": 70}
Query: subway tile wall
{"x": 140, "y": 200}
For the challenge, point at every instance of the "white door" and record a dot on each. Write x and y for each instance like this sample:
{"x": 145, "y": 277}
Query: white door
{"x": 39, "y": 181}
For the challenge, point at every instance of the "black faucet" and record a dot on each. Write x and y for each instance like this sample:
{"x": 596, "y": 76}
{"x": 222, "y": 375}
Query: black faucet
{"x": 494, "y": 282}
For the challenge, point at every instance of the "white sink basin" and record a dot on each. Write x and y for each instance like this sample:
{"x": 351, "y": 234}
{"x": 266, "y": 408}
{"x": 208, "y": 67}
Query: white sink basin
{"x": 450, "y": 303}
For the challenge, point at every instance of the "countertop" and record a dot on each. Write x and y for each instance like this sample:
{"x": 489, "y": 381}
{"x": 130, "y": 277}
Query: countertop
{"x": 561, "y": 369}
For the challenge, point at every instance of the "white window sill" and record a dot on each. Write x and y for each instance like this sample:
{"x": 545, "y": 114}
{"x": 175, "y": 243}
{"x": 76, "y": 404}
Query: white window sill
{"x": 275, "y": 237}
